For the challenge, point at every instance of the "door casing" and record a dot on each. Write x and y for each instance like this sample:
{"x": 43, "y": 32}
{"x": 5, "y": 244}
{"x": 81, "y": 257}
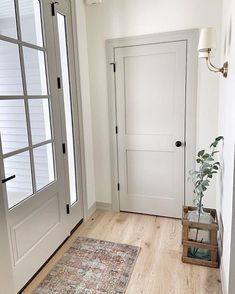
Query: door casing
{"x": 191, "y": 38}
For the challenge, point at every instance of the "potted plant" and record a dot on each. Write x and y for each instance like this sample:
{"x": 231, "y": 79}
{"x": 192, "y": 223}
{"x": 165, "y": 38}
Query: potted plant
{"x": 207, "y": 167}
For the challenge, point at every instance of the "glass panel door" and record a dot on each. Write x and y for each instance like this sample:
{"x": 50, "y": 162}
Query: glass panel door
{"x": 31, "y": 157}
{"x": 64, "y": 62}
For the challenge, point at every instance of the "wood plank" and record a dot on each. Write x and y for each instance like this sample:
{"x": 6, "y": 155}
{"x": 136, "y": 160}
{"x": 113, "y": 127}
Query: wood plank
{"x": 200, "y": 245}
{"x": 200, "y": 262}
{"x": 159, "y": 269}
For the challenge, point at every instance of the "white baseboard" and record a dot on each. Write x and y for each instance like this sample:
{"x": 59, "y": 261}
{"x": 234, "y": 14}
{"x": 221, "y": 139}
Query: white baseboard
{"x": 91, "y": 210}
{"x": 222, "y": 277}
{"x": 98, "y": 205}
{"x": 103, "y": 206}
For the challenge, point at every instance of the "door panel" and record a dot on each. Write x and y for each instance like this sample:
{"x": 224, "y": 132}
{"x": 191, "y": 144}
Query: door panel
{"x": 150, "y": 93}
{"x": 25, "y": 235}
{"x": 149, "y": 101}
{"x": 144, "y": 168}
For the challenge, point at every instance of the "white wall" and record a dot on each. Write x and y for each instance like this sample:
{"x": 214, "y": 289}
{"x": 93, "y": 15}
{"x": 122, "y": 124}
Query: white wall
{"x": 227, "y": 128}
{"x": 121, "y": 18}
{"x": 86, "y": 104}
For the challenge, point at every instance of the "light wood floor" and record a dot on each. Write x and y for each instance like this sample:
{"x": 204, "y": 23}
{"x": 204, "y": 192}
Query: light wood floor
{"x": 159, "y": 269}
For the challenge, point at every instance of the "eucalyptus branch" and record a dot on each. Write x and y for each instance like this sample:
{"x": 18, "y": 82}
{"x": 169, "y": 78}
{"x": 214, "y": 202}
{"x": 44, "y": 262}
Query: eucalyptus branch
{"x": 208, "y": 167}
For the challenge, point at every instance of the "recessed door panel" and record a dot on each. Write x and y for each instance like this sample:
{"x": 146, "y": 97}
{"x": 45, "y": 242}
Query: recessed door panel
{"x": 150, "y": 173}
{"x": 25, "y": 235}
{"x": 149, "y": 102}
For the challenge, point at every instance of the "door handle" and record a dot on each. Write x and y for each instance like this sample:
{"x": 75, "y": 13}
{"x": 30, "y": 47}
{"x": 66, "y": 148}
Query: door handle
{"x": 178, "y": 144}
{"x": 8, "y": 179}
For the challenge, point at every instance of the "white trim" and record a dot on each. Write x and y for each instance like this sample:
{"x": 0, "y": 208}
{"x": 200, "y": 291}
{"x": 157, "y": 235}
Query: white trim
{"x": 191, "y": 36}
{"x": 223, "y": 282}
{"x": 98, "y": 206}
{"x": 79, "y": 111}
{"x": 91, "y": 210}
{"x": 74, "y": 8}
{"x": 103, "y": 206}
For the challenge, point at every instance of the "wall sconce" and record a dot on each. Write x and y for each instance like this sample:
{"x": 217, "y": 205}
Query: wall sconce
{"x": 207, "y": 42}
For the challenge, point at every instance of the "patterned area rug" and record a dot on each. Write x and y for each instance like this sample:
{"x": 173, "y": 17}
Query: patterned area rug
{"x": 91, "y": 267}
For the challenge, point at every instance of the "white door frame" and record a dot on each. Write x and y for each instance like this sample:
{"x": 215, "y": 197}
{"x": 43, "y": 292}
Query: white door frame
{"x": 79, "y": 109}
{"x": 191, "y": 37}
{"x": 64, "y": 8}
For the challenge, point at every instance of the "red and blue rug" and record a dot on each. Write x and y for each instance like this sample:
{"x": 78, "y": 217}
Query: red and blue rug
{"x": 91, "y": 267}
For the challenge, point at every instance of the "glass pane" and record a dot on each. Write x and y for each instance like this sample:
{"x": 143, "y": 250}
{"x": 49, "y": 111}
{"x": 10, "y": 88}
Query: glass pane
{"x": 30, "y": 21}
{"x": 35, "y": 72}
{"x": 68, "y": 107}
{"x": 39, "y": 120}
{"x": 10, "y": 71}
{"x": 44, "y": 165}
{"x": 8, "y": 19}
{"x": 13, "y": 127}
{"x": 19, "y": 188}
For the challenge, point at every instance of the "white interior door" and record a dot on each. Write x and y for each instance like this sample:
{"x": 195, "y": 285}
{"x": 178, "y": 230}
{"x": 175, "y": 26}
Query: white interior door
{"x": 150, "y": 97}
{"x": 33, "y": 167}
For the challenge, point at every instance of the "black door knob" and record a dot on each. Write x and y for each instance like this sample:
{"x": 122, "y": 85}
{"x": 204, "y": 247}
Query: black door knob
{"x": 178, "y": 143}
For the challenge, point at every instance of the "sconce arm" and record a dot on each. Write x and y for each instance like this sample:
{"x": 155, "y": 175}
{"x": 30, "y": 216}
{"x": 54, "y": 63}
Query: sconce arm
{"x": 212, "y": 67}
{"x": 223, "y": 70}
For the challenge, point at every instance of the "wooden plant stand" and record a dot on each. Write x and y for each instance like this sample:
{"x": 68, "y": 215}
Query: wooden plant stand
{"x": 187, "y": 243}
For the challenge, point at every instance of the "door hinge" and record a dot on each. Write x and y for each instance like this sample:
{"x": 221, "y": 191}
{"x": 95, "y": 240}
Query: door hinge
{"x": 67, "y": 208}
{"x": 53, "y": 8}
{"x": 116, "y": 129}
{"x": 64, "y": 148}
{"x": 58, "y": 83}
{"x": 118, "y": 186}
{"x": 114, "y": 66}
